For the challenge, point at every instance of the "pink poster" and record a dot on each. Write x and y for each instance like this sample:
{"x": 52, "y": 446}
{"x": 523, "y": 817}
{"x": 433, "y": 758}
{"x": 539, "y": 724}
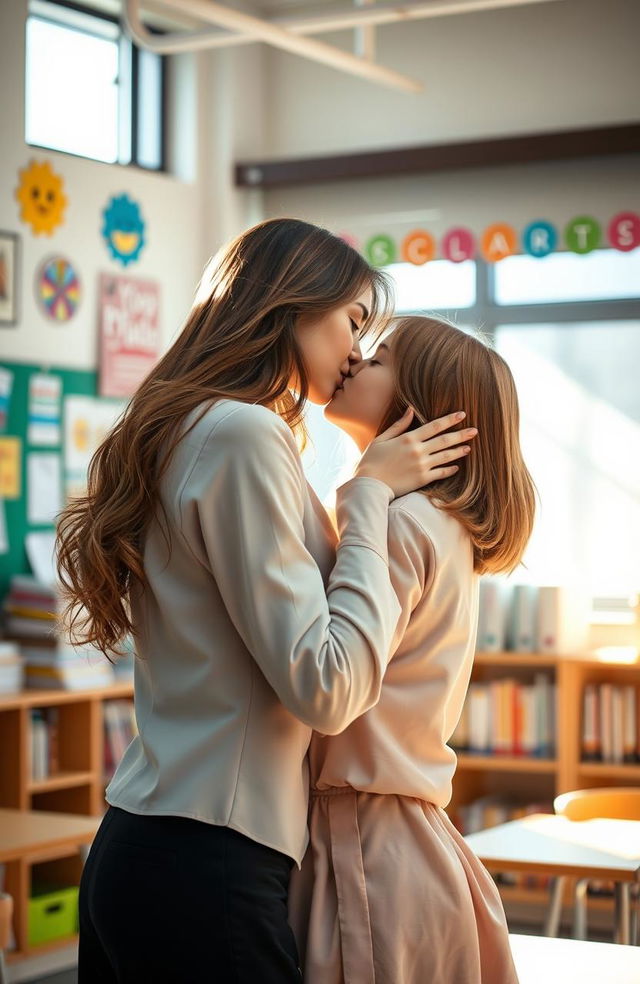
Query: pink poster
{"x": 129, "y": 332}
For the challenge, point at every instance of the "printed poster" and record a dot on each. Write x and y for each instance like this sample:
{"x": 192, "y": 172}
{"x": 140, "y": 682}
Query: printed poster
{"x": 129, "y": 332}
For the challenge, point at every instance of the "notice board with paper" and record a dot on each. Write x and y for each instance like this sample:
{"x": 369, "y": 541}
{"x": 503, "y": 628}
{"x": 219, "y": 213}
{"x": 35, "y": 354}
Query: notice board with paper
{"x": 32, "y": 413}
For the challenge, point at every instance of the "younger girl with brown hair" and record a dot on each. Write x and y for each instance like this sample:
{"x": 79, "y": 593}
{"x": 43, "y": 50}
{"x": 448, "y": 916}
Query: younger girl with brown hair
{"x": 389, "y": 892}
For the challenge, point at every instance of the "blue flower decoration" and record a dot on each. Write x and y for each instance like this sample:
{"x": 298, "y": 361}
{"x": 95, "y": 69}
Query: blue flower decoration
{"x": 123, "y": 229}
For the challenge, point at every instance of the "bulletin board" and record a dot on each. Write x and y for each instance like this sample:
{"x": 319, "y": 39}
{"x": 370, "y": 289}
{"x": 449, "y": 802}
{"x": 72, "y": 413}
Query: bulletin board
{"x": 74, "y": 382}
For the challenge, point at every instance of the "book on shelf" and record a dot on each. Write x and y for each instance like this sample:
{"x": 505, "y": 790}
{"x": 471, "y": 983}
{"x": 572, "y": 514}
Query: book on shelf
{"x": 44, "y": 743}
{"x": 524, "y": 618}
{"x": 506, "y": 717}
{"x": 611, "y": 723}
{"x": 119, "y": 730}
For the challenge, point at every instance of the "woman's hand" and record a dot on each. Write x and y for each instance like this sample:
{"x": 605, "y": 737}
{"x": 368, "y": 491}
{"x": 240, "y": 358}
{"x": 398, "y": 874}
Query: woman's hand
{"x": 408, "y": 461}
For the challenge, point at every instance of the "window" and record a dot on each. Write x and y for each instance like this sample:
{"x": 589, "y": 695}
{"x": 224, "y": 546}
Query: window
{"x": 569, "y": 327}
{"x": 89, "y": 90}
{"x": 436, "y": 285}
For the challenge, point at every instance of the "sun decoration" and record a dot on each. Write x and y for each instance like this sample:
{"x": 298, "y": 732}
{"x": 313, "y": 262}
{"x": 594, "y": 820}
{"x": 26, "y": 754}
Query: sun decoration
{"x": 41, "y": 196}
{"x": 123, "y": 229}
{"x": 58, "y": 288}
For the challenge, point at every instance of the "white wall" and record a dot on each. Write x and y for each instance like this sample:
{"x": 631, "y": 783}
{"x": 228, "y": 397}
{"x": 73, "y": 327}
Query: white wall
{"x": 550, "y": 66}
{"x": 214, "y": 106}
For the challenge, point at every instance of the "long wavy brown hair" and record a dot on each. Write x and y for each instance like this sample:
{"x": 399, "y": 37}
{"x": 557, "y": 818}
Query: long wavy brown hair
{"x": 238, "y": 342}
{"x": 439, "y": 369}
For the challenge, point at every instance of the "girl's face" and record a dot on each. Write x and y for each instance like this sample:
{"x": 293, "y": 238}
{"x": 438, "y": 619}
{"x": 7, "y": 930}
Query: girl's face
{"x": 361, "y": 404}
{"x": 330, "y": 347}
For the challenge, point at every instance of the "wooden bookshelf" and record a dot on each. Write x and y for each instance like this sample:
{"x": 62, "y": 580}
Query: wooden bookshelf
{"x": 76, "y": 788}
{"x": 533, "y": 779}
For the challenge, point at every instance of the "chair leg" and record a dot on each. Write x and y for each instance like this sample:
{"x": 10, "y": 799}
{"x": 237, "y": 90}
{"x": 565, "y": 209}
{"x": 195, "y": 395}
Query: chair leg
{"x": 580, "y": 909}
{"x": 622, "y": 912}
{"x": 552, "y": 922}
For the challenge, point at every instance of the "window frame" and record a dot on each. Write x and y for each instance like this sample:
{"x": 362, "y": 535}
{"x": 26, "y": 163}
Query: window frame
{"x": 134, "y": 94}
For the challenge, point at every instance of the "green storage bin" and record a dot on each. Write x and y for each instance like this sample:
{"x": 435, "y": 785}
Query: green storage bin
{"x": 53, "y": 914}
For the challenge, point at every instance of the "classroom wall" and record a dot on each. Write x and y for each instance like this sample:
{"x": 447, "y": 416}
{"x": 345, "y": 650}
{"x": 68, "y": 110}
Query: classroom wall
{"x": 214, "y": 114}
{"x": 550, "y": 66}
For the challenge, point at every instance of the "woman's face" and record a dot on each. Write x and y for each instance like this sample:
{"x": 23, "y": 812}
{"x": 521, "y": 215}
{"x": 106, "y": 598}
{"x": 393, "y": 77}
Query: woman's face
{"x": 361, "y": 404}
{"x": 330, "y": 347}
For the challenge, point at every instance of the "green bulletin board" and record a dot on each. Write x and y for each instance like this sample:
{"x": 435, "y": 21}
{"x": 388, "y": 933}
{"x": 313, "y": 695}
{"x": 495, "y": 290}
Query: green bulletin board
{"x": 74, "y": 383}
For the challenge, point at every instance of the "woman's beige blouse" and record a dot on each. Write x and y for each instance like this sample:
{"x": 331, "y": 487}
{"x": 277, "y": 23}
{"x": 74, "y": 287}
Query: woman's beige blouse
{"x": 248, "y": 635}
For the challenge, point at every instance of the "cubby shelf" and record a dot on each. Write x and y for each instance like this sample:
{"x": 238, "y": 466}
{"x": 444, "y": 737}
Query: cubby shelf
{"x": 529, "y": 779}
{"x": 76, "y": 788}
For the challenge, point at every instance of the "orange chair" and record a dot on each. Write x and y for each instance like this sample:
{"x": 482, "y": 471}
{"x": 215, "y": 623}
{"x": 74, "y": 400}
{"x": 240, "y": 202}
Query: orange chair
{"x": 612, "y": 803}
{"x": 6, "y": 915}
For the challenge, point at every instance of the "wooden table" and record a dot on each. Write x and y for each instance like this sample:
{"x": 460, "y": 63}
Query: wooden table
{"x": 38, "y": 836}
{"x": 540, "y": 959}
{"x": 607, "y": 850}
{"x": 30, "y": 837}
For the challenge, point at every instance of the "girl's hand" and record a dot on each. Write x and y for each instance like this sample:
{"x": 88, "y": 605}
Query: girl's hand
{"x": 408, "y": 461}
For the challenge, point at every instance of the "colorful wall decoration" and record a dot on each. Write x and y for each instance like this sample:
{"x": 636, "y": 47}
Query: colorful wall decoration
{"x": 123, "y": 229}
{"x": 498, "y": 240}
{"x": 41, "y": 196}
{"x": 58, "y": 289}
{"x": 129, "y": 332}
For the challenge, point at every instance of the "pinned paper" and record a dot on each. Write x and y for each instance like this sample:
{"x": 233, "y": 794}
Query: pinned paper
{"x": 10, "y": 452}
{"x": 6, "y": 385}
{"x": 4, "y": 539}
{"x": 45, "y": 397}
{"x": 44, "y": 487}
{"x": 87, "y": 421}
{"x": 40, "y": 547}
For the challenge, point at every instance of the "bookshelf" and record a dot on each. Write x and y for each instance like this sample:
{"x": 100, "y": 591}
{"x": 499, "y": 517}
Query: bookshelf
{"x": 76, "y": 787}
{"x": 537, "y": 779}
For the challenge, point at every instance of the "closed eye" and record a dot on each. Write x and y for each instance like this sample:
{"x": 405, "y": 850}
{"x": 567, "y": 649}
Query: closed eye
{"x": 354, "y": 326}
{"x": 374, "y": 362}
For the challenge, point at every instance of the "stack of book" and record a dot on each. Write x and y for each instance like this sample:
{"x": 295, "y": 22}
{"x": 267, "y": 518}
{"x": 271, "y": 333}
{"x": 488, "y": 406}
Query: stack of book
{"x": 30, "y": 609}
{"x": 31, "y": 619}
{"x": 505, "y": 717}
{"x": 63, "y": 667}
{"x": 119, "y": 730}
{"x": 611, "y": 723}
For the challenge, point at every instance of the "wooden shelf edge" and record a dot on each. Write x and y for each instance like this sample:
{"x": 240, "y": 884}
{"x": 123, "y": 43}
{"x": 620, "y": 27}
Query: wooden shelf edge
{"x": 49, "y": 698}
{"x": 506, "y": 763}
{"x": 62, "y": 780}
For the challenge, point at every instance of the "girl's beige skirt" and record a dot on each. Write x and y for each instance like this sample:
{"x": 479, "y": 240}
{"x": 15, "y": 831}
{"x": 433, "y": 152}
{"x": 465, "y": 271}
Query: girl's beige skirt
{"x": 389, "y": 893}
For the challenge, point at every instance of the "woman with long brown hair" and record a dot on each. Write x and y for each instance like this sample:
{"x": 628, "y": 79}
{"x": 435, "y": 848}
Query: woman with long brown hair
{"x": 199, "y": 537}
{"x": 389, "y": 891}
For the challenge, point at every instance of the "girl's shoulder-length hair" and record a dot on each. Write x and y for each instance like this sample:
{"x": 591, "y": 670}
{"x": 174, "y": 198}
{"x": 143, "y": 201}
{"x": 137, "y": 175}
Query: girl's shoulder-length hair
{"x": 439, "y": 368}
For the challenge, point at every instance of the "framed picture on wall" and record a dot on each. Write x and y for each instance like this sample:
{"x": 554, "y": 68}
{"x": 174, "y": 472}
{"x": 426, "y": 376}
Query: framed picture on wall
{"x": 8, "y": 278}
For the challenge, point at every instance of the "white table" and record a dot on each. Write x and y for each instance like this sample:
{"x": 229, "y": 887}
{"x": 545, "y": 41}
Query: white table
{"x": 607, "y": 850}
{"x": 540, "y": 960}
